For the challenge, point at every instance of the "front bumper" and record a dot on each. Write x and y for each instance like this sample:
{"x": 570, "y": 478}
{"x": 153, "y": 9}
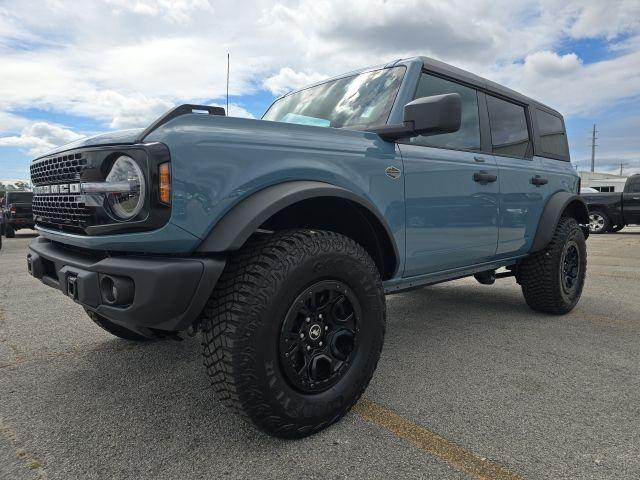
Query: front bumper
{"x": 155, "y": 294}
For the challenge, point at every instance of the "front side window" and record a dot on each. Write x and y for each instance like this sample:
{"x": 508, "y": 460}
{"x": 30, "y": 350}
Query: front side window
{"x": 553, "y": 139}
{"x": 357, "y": 102}
{"x": 468, "y": 137}
{"x": 509, "y": 132}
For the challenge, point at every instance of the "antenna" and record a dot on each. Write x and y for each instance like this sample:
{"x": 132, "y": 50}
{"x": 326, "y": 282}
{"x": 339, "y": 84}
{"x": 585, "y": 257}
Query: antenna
{"x": 227, "y": 84}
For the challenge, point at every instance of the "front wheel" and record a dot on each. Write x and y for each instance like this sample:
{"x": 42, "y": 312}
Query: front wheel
{"x": 552, "y": 279}
{"x": 293, "y": 331}
{"x": 599, "y": 222}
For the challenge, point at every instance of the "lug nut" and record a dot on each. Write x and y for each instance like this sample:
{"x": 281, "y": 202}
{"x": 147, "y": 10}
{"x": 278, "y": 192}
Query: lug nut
{"x": 302, "y": 335}
{"x": 308, "y": 347}
{"x": 326, "y": 327}
{"x": 320, "y": 316}
{"x": 307, "y": 319}
{"x": 320, "y": 343}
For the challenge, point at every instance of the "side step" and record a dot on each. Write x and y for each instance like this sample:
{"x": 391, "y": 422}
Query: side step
{"x": 488, "y": 277}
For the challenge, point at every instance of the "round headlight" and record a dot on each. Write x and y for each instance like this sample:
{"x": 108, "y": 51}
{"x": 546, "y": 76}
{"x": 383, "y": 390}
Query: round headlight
{"x": 126, "y": 204}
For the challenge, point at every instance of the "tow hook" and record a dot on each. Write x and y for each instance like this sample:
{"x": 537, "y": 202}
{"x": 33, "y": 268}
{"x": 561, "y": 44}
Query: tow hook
{"x": 72, "y": 286}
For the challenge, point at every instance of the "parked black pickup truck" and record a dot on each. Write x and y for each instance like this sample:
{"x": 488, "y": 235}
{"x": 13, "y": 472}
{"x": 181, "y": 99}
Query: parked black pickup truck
{"x": 16, "y": 212}
{"x": 611, "y": 212}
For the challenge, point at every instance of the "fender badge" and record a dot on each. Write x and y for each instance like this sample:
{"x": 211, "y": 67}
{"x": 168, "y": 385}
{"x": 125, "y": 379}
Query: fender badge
{"x": 392, "y": 172}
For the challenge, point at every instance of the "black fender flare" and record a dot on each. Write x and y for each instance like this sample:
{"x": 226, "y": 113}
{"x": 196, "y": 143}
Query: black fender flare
{"x": 556, "y": 206}
{"x": 239, "y": 223}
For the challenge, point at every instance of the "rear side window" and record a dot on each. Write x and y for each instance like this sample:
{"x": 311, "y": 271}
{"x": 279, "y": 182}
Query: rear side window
{"x": 553, "y": 139}
{"x": 509, "y": 132}
{"x": 468, "y": 137}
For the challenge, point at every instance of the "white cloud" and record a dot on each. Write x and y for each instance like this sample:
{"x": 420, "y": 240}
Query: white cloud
{"x": 40, "y": 137}
{"x": 124, "y": 62}
{"x": 10, "y": 123}
{"x": 603, "y": 18}
{"x": 287, "y": 79}
{"x": 174, "y": 10}
{"x": 574, "y": 88}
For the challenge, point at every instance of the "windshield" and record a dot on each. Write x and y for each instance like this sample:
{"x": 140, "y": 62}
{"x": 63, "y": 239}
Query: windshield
{"x": 19, "y": 197}
{"x": 355, "y": 102}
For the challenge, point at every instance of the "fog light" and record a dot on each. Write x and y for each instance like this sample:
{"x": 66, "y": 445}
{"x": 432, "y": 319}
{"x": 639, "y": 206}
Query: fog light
{"x": 117, "y": 291}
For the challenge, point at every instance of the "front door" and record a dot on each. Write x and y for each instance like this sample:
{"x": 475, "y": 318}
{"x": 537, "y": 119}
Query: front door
{"x": 631, "y": 200}
{"x": 451, "y": 191}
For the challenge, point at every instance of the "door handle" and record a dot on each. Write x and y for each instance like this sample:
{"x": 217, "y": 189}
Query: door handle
{"x": 484, "y": 177}
{"x": 538, "y": 180}
{"x": 479, "y": 159}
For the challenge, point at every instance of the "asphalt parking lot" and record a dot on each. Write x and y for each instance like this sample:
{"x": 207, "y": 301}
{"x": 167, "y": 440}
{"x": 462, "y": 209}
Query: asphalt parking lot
{"x": 471, "y": 383}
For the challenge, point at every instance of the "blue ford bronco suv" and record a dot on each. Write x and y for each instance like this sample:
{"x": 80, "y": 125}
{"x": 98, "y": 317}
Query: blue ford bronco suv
{"x": 279, "y": 238}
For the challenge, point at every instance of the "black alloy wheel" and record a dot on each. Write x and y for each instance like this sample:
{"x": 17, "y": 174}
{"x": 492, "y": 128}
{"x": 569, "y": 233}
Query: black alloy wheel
{"x": 319, "y": 336}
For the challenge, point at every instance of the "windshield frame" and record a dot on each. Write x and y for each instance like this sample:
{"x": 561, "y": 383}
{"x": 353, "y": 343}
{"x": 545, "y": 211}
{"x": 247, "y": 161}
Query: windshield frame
{"x": 342, "y": 77}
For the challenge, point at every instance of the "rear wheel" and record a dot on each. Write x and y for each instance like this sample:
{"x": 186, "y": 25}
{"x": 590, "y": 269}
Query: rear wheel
{"x": 293, "y": 330}
{"x": 115, "y": 329}
{"x": 9, "y": 230}
{"x": 552, "y": 279}
{"x": 599, "y": 222}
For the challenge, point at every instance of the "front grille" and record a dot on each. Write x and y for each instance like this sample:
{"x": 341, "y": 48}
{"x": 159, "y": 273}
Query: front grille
{"x": 61, "y": 210}
{"x": 64, "y": 168}
{"x": 65, "y": 211}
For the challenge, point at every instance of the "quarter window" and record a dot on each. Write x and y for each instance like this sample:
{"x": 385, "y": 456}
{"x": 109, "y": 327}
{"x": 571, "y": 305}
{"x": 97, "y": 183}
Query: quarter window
{"x": 468, "y": 137}
{"x": 553, "y": 139}
{"x": 509, "y": 132}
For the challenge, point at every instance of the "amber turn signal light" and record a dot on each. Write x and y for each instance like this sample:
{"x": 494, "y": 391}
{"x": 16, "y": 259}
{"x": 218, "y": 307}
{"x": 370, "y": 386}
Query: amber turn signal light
{"x": 165, "y": 183}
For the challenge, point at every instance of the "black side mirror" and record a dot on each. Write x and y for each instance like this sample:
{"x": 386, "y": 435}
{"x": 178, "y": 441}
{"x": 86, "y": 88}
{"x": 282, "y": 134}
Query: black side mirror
{"x": 426, "y": 116}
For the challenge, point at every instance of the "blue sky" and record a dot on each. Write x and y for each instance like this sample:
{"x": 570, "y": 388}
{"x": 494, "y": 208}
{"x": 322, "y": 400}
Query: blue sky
{"x": 121, "y": 63}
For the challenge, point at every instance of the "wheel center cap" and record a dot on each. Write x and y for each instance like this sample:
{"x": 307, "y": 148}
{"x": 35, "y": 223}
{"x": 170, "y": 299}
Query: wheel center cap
{"x": 315, "y": 331}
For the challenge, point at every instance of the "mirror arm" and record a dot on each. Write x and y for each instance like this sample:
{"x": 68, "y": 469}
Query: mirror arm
{"x": 394, "y": 132}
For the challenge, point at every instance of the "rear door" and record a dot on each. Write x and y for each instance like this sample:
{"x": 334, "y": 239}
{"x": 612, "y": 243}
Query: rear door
{"x": 631, "y": 200}
{"x": 522, "y": 181}
{"x": 451, "y": 190}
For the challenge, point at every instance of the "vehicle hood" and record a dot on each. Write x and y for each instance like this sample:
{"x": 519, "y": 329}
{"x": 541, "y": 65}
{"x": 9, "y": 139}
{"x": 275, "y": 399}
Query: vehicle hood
{"x": 118, "y": 137}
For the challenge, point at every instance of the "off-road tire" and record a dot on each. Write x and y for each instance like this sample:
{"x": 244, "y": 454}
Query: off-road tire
{"x": 606, "y": 225}
{"x": 115, "y": 329}
{"x": 540, "y": 274}
{"x": 9, "y": 231}
{"x": 244, "y": 317}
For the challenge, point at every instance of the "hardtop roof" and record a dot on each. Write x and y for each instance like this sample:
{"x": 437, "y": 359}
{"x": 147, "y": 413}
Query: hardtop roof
{"x": 449, "y": 70}
{"x": 444, "y": 69}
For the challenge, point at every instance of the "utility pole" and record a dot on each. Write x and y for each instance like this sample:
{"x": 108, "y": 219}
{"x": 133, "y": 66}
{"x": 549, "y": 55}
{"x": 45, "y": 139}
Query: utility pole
{"x": 593, "y": 148}
{"x": 622, "y": 165}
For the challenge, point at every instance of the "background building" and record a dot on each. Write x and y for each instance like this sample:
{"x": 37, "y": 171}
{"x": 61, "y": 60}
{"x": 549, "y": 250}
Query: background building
{"x": 603, "y": 182}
